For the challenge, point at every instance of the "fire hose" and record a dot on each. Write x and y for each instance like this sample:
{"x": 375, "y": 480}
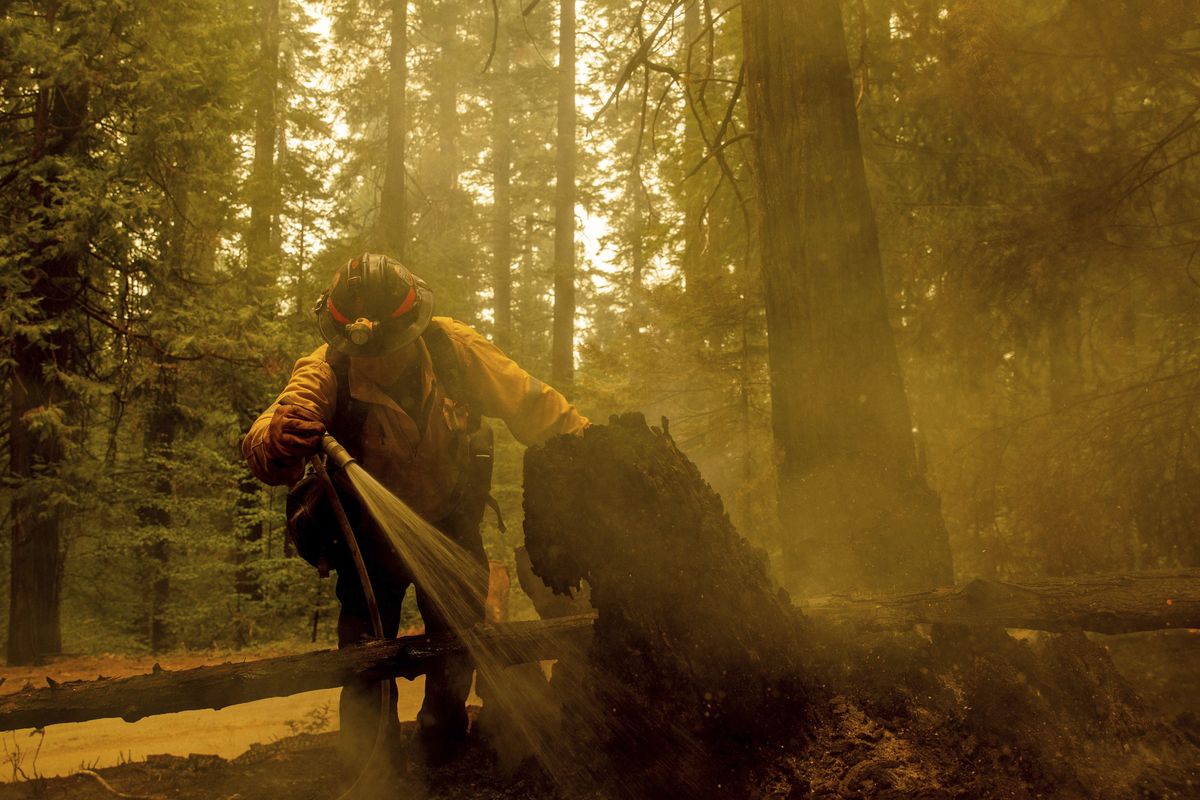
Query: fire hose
{"x": 339, "y": 457}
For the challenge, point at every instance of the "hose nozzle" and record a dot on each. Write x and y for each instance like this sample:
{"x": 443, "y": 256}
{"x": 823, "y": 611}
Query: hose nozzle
{"x": 338, "y": 456}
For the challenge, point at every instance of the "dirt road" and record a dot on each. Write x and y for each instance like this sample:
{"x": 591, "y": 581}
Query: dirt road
{"x": 108, "y": 742}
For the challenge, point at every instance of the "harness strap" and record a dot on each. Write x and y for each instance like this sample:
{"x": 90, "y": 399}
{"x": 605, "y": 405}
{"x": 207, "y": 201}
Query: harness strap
{"x": 350, "y": 415}
{"x": 448, "y": 369}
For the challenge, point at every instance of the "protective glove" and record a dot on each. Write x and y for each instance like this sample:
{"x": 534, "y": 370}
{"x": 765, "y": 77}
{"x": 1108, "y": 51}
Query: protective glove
{"x": 294, "y": 433}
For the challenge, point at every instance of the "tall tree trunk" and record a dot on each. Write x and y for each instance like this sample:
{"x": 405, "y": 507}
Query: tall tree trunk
{"x": 35, "y": 582}
{"x": 693, "y": 150}
{"x": 1064, "y": 331}
{"x": 393, "y": 202}
{"x": 161, "y": 426}
{"x": 41, "y": 404}
{"x": 562, "y": 355}
{"x": 262, "y": 252}
{"x": 502, "y": 187}
{"x": 178, "y": 250}
{"x": 857, "y": 509}
{"x": 36, "y": 566}
{"x": 438, "y": 252}
{"x": 445, "y": 92}
{"x": 263, "y": 189}
{"x": 638, "y": 210}
{"x": 528, "y": 295}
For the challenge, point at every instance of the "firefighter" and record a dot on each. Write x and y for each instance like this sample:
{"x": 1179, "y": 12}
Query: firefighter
{"x": 404, "y": 392}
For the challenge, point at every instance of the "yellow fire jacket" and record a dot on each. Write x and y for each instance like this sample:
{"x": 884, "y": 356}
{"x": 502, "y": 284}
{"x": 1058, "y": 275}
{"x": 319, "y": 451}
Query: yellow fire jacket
{"x": 421, "y": 467}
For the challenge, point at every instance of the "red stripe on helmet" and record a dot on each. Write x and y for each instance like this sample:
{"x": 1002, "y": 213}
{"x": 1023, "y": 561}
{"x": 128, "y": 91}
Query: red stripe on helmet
{"x": 337, "y": 315}
{"x": 407, "y": 305}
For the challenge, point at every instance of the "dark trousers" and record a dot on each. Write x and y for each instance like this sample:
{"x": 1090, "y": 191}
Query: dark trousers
{"x": 442, "y": 721}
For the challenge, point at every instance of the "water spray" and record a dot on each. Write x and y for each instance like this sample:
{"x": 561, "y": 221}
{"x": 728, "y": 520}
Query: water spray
{"x": 448, "y": 575}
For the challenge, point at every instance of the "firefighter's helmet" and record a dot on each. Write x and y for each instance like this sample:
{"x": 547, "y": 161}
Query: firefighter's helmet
{"x": 373, "y": 306}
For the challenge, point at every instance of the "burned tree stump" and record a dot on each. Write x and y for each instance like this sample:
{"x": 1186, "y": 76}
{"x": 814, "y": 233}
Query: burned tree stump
{"x": 693, "y": 642}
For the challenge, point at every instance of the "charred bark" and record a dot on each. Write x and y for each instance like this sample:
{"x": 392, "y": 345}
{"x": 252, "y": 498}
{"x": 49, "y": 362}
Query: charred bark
{"x": 165, "y": 692}
{"x": 695, "y": 649}
{"x": 708, "y": 677}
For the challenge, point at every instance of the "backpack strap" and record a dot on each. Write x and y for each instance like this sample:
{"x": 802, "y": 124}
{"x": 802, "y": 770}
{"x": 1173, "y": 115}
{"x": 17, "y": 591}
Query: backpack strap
{"x": 449, "y": 370}
{"x": 473, "y": 492}
{"x": 349, "y": 415}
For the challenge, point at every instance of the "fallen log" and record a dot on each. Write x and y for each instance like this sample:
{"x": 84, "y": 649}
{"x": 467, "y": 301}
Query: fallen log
{"x": 1111, "y": 604}
{"x": 165, "y": 692}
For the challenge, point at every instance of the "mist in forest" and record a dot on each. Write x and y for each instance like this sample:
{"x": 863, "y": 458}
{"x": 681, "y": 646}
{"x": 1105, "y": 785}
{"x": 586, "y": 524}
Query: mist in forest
{"x": 914, "y": 284}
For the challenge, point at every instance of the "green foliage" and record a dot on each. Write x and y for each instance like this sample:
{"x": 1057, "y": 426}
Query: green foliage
{"x": 1033, "y": 167}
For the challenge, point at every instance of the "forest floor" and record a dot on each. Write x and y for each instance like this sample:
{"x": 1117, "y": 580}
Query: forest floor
{"x": 303, "y": 766}
{"x": 285, "y": 747}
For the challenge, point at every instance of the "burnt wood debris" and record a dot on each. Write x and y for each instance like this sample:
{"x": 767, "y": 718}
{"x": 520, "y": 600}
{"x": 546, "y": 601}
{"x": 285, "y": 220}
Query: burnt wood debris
{"x": 717, "y": 684}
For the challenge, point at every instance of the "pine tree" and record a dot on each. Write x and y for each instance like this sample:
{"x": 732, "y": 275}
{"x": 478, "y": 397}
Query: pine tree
{"x": 562, "y": 371}
{"x": 850, "y": 492}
